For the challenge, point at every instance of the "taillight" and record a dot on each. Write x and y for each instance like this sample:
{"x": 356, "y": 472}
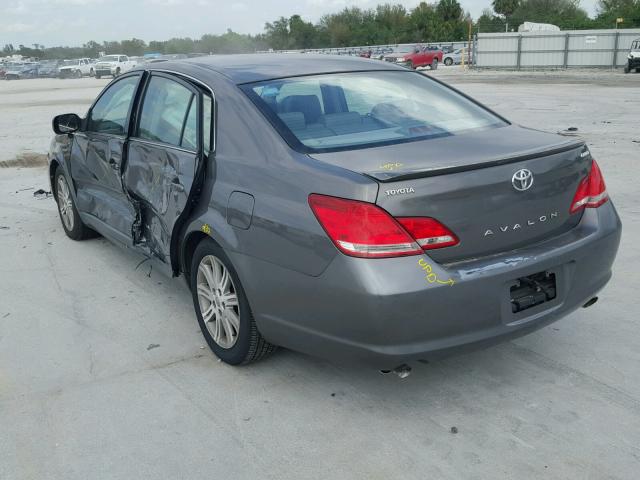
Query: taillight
{"x": 428, "y": 232}
{"x": 592, "y": 192}
{"x": 362, "y": 229}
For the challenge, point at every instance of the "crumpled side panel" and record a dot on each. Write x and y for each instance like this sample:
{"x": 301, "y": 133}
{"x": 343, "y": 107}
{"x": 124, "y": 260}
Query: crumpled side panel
{"x": 159, "y": 178}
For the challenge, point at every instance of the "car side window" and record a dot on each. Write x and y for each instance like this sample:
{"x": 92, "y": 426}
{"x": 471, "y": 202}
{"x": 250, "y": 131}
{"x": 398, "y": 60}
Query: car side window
{"x": 167, "y": 115}
{"x": 109, "y": 114}
{"x": 190, "y": 135}
{"x": 207, "y": 122}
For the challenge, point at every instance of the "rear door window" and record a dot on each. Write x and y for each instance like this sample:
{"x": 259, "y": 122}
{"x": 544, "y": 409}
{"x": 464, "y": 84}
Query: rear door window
{"x": 169, "y": 113}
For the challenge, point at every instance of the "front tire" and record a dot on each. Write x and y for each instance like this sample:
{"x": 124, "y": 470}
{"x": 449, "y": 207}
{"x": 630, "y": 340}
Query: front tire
{"x": 69, "y": 216}
{"x": 222, "y": 308}
{"x": 448, "y": 61}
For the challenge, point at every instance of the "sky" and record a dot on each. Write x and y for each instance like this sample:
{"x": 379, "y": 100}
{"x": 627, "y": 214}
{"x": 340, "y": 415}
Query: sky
{"x": 74, "y": 22}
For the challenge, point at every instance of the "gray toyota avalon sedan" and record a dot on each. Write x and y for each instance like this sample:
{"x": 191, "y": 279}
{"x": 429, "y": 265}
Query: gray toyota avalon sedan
{"x": 342, "y": 207}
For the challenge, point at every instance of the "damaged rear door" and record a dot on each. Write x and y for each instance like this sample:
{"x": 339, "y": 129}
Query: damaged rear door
{"x": 165, "y": 158}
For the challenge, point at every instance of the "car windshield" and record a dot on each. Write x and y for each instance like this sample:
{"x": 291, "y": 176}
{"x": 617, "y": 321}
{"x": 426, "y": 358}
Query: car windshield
{"x": 67, "y": 63}
{"x": 405, "y": 49}
{"x": 109, "y": 58}
{"x": 355, "y": 110}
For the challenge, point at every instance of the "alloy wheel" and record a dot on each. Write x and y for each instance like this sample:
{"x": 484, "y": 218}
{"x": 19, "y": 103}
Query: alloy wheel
{"x": 65, "y": 204}
{"x": 218, "y": 301}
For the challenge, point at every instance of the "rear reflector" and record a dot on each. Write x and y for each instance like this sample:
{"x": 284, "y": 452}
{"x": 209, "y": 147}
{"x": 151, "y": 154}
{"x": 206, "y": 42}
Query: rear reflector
{"x": 428, "y": 232}
{"x": 592, "y": 192}
{"x": 362, "y": 229}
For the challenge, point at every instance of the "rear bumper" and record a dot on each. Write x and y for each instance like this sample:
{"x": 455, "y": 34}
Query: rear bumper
{"x": 384, "y": 312}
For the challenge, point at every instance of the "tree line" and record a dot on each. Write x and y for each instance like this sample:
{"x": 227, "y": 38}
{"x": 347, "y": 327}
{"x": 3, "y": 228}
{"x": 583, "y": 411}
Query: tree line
{"x": 441, "y": 21}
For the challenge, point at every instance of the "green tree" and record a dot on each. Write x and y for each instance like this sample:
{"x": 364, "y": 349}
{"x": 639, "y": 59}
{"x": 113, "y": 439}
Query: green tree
{"x": 301, "y": 34}
{"x": 449, "y": 10}
{"x": 505, "y": 8}
{"x": 490, "y": 23}
{"x": 566, "y": 14}
{"x": 277, "y": 33}
{"x": 424, "y": 22}
{"x": 610, "y": 10}
{"x": 133, "y": 47}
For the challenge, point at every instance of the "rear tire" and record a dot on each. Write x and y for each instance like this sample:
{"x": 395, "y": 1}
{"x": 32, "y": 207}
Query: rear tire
{"x": 448, "y": 61}
{"x": 98, "y": 76}
{"x": 228, "y": 325}
{"x": 626, "y": 69}
{"x": 69, "y": 216}
{"x": 434, "y": 64}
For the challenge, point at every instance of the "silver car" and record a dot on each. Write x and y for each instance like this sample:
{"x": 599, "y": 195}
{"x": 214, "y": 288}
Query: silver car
{"x": 453, "y": 58}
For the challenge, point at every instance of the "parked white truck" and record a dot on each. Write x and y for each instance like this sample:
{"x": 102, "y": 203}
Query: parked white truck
{"x": 113, "y": 65}
{"x": 76, "y": 68}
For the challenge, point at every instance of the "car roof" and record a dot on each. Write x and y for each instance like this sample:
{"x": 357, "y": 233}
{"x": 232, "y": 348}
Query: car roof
{"x": 247, "y": 68}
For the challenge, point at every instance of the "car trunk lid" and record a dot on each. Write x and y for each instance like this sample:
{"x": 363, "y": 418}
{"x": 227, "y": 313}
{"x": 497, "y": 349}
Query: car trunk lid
{"x": 466, "y": 183}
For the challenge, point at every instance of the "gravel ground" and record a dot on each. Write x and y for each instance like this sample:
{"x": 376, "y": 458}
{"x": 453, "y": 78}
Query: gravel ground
{"x": 104, "y": 374}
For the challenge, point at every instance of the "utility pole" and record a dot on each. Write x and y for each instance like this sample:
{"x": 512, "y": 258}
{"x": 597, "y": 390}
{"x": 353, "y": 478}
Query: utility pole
{"x": 469, "y": 42}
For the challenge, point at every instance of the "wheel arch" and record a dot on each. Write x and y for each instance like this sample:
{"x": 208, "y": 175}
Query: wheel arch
{"x": 211, "y": 225}
{"x": 53, "y": 168}
{"x": 187, "y": 248}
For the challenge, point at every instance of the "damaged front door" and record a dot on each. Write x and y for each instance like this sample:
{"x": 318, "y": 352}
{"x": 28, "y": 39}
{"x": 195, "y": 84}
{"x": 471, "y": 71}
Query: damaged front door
{"x": 96, "y": 161}
{"x": 163, "y": 157}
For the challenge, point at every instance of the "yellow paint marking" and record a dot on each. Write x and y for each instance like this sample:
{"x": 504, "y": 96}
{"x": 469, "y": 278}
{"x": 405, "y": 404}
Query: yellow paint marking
{"x": 431, "y": 276}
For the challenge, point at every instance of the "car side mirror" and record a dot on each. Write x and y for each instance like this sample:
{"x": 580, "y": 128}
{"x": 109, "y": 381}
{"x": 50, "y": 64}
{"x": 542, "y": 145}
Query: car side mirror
{"x": 66, "y": 123}
{"x": 417, "y": 50}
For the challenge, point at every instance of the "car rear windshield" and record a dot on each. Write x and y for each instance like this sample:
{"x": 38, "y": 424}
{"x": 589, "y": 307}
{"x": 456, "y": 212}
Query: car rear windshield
{"x": 346, "y": 111}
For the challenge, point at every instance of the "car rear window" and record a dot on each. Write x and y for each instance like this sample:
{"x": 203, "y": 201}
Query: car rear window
{"x": 345, "y": 111}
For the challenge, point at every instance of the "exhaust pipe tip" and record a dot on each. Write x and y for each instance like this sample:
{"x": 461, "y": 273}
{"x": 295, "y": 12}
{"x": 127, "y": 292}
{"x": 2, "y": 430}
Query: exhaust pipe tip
{"x": 590, "y": 302}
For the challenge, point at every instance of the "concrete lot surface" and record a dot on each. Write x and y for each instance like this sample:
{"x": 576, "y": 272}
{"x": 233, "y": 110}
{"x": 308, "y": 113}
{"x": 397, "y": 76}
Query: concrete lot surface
{"x": 104, "y": 373}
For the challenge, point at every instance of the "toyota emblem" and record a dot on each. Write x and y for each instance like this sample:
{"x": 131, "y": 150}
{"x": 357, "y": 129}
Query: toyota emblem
{"x": 522, "y": 180}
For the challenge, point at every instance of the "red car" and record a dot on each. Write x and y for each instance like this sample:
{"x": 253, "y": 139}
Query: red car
{"x": 417, "y": 56}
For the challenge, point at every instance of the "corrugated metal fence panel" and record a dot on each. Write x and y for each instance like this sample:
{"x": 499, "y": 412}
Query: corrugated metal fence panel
{"x": 549, "y": 59}
{"x": 543, "y": 43}
{"x": 576, "y": 48}
{"x": 498, "y": 51}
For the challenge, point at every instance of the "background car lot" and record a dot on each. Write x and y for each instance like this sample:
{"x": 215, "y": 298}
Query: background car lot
{"x": 103, "y": 373}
